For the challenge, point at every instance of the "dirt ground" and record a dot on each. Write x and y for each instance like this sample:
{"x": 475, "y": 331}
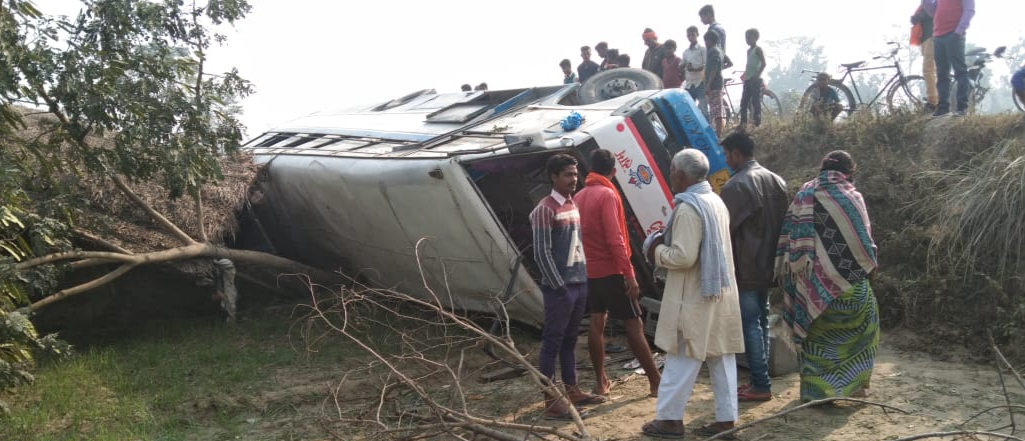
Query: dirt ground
{"x": 939, "y": 395}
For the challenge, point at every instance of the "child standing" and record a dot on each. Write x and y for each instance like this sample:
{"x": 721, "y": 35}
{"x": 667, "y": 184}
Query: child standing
{"x": 567, "y": 71}
{"x": 714, "y": 81}
{"x": 752, "y": 95}
{"x": 672, "y": 78}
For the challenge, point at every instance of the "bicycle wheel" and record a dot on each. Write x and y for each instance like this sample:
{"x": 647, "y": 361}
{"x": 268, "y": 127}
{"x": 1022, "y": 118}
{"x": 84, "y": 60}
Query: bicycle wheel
{"x": 845, "y": 95}
{"x": 1017, "y": 102}
{"x": 771, "y": 107}
{"x": 909, "y": 96}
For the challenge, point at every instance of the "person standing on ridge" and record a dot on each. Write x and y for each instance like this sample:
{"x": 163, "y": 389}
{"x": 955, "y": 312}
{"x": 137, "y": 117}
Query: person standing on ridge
{"x": 751, "y": 97}
{"x": 693, "y": 67}
{"x": 951, "y": 19}
{"x": 672, "y": 77}
{"x": 587, "y": 68}
{"x": 653, "y": 57}
{"x": 921, "y": 35}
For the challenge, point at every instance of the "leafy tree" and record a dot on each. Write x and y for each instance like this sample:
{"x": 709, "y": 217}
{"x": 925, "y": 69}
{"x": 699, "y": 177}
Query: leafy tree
{"x": 130, "y": 73}
{"x": 789, "y": 80}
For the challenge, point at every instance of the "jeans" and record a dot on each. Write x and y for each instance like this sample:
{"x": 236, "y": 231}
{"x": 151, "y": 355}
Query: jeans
{"x": 949, "y": 53}
{"x": 754, "y": 316}
{"x": 698, "y": 93}
{"x": 751, "y": 99}
{"x": 564, "y": 309}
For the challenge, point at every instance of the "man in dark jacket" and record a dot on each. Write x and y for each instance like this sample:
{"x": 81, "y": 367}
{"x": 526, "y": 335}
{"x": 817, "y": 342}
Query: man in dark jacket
{"x": 654, "y": 55}
{"x": 757, "y": 200}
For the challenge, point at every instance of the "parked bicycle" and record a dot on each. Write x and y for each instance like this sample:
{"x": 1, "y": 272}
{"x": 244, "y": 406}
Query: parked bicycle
{"x": 771, "y": 107}
{"x": 976, "y": 59}
{"x": 901, "y": 91}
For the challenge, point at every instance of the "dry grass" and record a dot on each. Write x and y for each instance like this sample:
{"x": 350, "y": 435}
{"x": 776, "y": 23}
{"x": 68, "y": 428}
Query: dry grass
{"x": 941, "y": 194}
{"x": 106, "y": 210}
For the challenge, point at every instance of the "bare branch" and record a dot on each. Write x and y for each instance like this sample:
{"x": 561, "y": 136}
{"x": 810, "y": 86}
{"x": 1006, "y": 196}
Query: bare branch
{"x": 959, "y": 433}
{"x": 1010, "y": 408}
{"x": 68, "y": 292}
{"x": 71, "y": 255}
{"x": 1010, "y": 367}
{"x": 199, "y": 214}
{"x": 89, "y": 263}
{"x": 813, "y": 403}
{"x": 101, "y": 241}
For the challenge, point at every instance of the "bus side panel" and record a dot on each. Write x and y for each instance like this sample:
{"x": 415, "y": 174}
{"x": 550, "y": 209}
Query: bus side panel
{"x": 646, "y": 190}
{"x": 699, "y": 133}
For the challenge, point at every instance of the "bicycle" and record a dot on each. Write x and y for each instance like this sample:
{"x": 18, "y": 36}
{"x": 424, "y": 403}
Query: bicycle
{"x": 905, "y": 92}
{"x": 770, "y": 103}
{"x": 976, "y": 59}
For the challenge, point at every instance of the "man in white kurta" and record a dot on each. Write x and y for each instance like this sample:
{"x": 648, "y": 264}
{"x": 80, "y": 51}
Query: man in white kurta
{"x": 694, "y": 328}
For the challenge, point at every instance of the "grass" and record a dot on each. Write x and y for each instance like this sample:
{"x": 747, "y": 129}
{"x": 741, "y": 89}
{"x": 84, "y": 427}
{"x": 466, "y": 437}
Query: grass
{"x": 940, "y": 193}
{"x": 170, "y": 381}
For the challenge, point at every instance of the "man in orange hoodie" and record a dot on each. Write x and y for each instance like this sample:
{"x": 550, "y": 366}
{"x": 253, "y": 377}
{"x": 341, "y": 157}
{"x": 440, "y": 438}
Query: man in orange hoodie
{"x": 612, "y": 288}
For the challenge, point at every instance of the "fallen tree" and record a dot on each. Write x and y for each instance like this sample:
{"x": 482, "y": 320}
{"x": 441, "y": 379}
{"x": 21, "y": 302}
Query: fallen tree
{"x": 95, "y": 107}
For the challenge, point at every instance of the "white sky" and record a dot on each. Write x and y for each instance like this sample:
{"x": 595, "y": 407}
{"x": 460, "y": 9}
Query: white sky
{"x": 307, "y": 55}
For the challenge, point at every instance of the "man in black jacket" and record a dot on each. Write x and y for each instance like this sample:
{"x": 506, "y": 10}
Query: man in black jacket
{"x": 757, "y": 200}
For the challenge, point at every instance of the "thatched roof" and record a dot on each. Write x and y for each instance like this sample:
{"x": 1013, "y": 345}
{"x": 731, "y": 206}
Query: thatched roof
{"x": 108, "y": 213}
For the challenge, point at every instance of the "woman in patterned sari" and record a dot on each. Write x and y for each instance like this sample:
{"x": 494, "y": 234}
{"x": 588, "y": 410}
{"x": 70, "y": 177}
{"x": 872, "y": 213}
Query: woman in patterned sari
{"x": 824, "y": 258}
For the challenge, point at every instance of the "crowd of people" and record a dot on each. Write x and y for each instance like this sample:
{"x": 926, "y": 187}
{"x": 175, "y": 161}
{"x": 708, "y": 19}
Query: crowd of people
{"x": 698, "y": 69}
{"x": 722, "y": 255}
{"x": 938, "y": 27}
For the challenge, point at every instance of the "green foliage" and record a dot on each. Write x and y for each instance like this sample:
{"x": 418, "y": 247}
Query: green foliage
{"x": 125, "y": 86}
{"x": 131, "y": 70}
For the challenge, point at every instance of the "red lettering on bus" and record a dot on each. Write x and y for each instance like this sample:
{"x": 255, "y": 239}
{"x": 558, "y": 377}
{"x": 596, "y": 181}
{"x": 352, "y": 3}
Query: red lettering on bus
{"x": 624, "y": 161}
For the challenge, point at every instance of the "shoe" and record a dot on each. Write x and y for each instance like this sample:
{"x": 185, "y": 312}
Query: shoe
{"x": 938, "y": 113}
{"x": 959, "y": 113}
{"x": 654, "y": 429}
{"x": 750, "y": 394}
{"x": 714, "y": 429}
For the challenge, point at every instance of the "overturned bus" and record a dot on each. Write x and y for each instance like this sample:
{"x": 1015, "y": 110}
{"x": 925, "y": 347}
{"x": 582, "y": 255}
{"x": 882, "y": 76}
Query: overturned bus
{"x": 432, "y": 192}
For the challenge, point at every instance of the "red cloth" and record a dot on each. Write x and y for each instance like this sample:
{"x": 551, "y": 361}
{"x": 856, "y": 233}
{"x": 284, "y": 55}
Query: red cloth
{"x": 671, "y": 75}
{"x": 916, "y": 31}
{"x": 603, "y": 229}
{"x": 947, "y": 17}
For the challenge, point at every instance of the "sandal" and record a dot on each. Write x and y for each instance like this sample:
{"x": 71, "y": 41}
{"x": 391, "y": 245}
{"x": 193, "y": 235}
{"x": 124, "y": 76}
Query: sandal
{"x": 654, "y": 429}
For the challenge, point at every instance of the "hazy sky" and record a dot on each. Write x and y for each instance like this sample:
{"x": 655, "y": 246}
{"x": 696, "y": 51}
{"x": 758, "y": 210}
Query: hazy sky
{"x": 306, "y": 55}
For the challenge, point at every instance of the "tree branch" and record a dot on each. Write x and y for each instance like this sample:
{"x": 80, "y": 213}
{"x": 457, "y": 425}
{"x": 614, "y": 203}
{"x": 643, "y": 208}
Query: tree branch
{"x": 101, "y": 241}
{"x": 194, "y": 251}
{"x": 69, "y": 255}
{"x": 68, "y": 292}
{"x": 959, "y": 433}
{"x": 199, "y": 215}
{"x": 1010, "y": 367}
{"x": 803, "y": 406}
